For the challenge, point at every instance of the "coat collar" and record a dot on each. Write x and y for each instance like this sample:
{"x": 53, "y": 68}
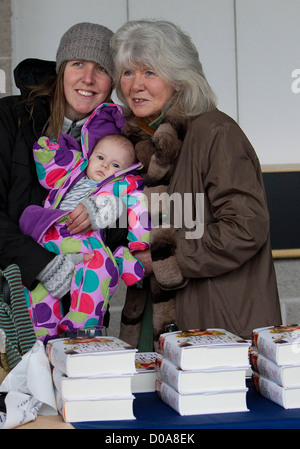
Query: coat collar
{"x": 170, "y": 116}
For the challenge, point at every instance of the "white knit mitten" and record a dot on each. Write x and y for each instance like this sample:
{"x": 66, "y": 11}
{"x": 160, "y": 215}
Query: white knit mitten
{"x": 103, "y": 210}
{"x": 57, "y": 275}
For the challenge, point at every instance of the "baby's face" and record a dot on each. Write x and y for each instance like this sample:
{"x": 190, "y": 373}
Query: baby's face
{"x": 107, "y": 158}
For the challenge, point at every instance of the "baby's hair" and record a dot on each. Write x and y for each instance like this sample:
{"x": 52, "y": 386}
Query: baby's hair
{"x": 124, "y": 142}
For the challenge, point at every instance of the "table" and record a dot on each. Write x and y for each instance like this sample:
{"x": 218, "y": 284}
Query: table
{"x": 152, "y": 413}
{"x": 46, "y": 422}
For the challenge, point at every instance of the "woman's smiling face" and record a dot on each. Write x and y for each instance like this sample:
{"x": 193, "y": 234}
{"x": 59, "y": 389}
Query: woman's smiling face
{"x": 86, "y": 85}
{"x": 145, "y": 92}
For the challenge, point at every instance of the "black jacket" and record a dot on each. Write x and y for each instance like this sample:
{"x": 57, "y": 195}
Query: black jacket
{"x": 19, "y": 186}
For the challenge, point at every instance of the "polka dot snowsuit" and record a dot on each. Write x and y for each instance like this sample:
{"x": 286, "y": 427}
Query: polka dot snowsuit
{"x": 59, "y": 165}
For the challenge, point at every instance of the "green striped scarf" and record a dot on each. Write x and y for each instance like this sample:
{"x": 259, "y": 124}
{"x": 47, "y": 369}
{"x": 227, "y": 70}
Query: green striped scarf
{"x": 14, "y": 317}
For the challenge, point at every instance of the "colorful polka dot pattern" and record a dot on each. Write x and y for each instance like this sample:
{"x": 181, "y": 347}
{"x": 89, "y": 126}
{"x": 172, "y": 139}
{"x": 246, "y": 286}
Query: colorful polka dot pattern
{"x": 93, "y": 284}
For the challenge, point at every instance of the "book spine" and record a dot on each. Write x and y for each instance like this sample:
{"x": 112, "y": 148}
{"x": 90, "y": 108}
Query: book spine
{"x": 168, "y": 395}
{"x": 173, "y": 353}
{"x": 57, "y": 377}
{"x": 169, "y": 374}
{"x": 266, "y": 347}
{"x": 58, "y": 359}
{"x": 269, "y": 389}
{"x": 266, "y": 368}
{"x": 60, "y": 405}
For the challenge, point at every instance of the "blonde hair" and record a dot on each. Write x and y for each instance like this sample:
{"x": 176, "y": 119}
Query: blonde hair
{"x": 169, "y": 52}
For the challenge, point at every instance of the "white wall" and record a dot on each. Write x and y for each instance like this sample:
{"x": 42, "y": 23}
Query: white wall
{"x": 210, "y": 23}
{"x": 268, "y": 43}
{"x": 37, "y": 25}
{"x": 248, "y": 48}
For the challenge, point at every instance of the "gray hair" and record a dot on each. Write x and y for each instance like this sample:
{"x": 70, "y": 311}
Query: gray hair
{"x": 163, "y": 47}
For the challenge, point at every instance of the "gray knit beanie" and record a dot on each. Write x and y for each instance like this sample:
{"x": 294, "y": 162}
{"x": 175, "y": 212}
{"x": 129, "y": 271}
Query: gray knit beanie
{"x": 87, "y": 42}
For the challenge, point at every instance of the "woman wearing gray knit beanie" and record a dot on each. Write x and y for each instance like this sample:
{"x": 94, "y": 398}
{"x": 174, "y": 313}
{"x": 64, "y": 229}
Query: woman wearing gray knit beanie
{"x": 85, "y": 69}
{"x": 56, "y": 97}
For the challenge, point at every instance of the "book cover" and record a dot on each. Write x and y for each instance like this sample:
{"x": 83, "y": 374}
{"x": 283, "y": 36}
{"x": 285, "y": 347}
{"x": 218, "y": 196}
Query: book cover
{"x": 202, "y": 349}
{"x": 144, "y": 379}
{"x": 195, "y": 381}
{"x": 285, "y": 397}
{"x": 281, "y": 344}
{"x": 203, "y": 403}
{"x": 95, "y": 409}
{"x": 106, "y": 385}
{"x": 145, "y": 361}
{"x": 86, "y": 356}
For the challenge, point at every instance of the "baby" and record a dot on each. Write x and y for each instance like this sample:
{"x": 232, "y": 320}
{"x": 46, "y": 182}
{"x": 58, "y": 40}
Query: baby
{"x": 110, "y": 155}
{"x": 104, "y": 183}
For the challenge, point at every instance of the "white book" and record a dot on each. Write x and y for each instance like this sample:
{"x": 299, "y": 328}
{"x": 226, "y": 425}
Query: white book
{"x": 91, "y": 386}
{"x": 83, "y": 356}
{"x": 203, "y": 403}
{"x": 203, "y": 349}
{"x": 281, "y": 344}
{"x": 287, "y": 376}
{"x": 144, "y": 379}
{"x": 95, "y": 409}
{"x": 195, "y": 381}
{"x": 286, "y": 397}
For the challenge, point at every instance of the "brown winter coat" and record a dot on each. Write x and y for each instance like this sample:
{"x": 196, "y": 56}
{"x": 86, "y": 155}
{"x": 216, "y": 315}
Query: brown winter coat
{"x": 226, "y": 278}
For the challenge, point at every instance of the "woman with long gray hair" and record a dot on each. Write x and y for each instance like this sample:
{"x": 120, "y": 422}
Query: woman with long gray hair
{"x": 214, "y": 267}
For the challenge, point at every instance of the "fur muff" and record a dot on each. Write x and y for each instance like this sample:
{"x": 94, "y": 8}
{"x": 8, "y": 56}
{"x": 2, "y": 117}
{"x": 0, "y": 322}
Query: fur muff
{"x": 165, "y": 268}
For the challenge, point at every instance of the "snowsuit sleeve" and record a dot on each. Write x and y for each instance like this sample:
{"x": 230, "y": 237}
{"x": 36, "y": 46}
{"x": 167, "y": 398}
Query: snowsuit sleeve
{"x": 130, "y": 191}
{"x": 54, "y": 160}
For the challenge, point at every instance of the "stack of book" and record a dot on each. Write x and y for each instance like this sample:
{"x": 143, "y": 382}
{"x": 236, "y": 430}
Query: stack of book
{"x": 92, "y": 378}
{"x": 203, "y": 371}
{"x": 275, "y": 361}
{"x": 145, "y": 378}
